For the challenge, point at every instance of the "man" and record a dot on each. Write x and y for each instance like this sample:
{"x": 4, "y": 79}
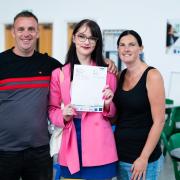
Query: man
{"x": 24, "y": 87}
{"x": 24, "y": 83}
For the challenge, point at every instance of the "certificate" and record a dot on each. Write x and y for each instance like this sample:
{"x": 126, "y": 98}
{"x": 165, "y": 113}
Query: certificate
{"x": 87, "y": 86}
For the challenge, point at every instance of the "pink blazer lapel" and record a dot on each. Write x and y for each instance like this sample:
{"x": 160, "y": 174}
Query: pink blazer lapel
{"x": 71, "y": 143}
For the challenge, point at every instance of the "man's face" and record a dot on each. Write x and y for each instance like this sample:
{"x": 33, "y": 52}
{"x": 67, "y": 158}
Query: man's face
{"x": 25, "y": 32}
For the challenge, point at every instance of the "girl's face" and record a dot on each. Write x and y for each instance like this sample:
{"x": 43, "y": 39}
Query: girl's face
{"x": 84, "y": 41}
{"x": 129, "y": 49}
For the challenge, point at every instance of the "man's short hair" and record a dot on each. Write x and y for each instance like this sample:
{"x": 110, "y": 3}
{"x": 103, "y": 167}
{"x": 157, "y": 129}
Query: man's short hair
{"x": 25, "y": 13}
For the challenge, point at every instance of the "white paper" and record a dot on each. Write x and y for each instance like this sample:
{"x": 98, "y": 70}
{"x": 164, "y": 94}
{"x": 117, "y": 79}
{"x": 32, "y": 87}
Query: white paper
{"x": 87, "y": 86}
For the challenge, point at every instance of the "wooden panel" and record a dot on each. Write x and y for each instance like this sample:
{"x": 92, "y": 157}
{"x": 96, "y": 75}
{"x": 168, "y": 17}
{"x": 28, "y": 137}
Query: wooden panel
{"x": 45, "y": 38}
{"x": 9, "y": 40}
{"x": 70, "y": 31}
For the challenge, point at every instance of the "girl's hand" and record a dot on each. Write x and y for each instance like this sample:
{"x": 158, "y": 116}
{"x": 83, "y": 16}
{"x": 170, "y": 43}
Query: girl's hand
{"x": 107, "y": 95}
{"x": 68, "y": 112}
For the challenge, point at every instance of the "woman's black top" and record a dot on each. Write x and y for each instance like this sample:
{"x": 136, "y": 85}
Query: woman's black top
{"x": 134, "y": 120}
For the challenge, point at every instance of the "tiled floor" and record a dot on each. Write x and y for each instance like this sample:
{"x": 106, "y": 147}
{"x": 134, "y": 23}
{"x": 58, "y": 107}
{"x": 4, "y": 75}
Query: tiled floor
{"x": 167, "y": 172}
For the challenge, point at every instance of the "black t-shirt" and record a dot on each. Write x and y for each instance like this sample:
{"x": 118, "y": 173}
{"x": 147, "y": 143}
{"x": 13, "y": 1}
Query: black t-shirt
{"x": 12, "y": 65}
{"x": 134, "y": 120}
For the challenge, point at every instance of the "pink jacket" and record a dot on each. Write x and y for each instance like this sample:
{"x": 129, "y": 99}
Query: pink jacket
{"x": 98, "y": 144}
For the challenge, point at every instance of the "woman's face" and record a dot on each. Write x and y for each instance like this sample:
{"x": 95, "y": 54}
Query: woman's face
{"x": 84, "y": 41}
{"x": 129, "y": 49}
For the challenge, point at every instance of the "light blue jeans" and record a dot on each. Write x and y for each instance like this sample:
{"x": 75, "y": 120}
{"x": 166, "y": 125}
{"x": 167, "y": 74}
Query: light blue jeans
{"x": 152, "y": 171}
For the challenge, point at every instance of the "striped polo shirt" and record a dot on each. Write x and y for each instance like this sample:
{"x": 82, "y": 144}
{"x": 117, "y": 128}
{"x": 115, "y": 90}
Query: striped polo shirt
{"x": 24, "y": 89}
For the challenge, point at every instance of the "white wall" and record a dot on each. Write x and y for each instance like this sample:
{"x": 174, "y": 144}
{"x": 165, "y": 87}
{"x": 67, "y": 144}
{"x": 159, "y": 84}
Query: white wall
{"x": 148, "y": 18}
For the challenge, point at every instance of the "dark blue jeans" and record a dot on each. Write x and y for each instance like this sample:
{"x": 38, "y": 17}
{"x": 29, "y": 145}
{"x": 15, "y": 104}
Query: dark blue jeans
{"x": 29, "y": 164}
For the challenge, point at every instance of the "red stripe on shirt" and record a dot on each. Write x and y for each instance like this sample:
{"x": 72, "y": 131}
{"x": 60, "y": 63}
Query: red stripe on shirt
{"x": 24, "y": 86}
{"x": 25, "y": 79}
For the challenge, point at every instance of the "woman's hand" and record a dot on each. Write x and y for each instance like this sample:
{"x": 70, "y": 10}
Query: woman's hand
{"x": 111, "y": 66}
{"x": 107, "y": 96}
{"x": 138, "y": 169}
{"x": 68, "y": 112}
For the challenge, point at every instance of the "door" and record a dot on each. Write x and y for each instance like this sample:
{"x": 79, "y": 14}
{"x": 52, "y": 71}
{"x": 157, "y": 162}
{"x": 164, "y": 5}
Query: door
{"x": 45, "y": 39}
{"x": 70, "y": 31}
{"x": 9, "y": 40}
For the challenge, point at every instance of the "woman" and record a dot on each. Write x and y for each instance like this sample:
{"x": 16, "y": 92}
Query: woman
{"x": 140, "y": 103}
{"x": 88, "y": 148}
